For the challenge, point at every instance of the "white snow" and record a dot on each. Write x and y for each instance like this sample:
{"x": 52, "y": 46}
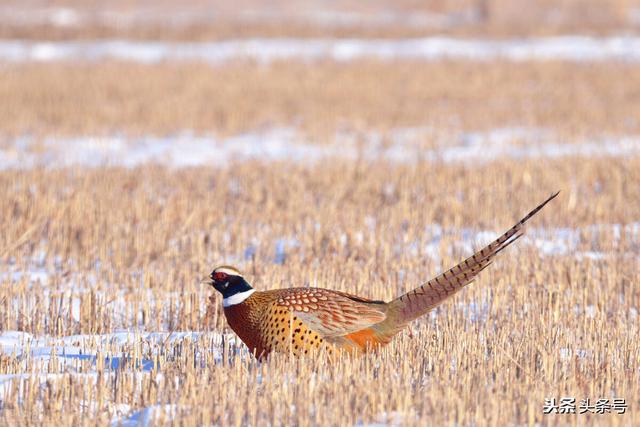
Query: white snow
{"x": 569, "y": 353}
{"x": 31, "y": 276}
{"x": 144, "y": 417}
{"x": 80, "y": 354}
{"x": 141, "y": 16}
{"x": 97, "y": 357}
{"x": 45, "y": 358}
{"x": 438, "y": 241}
{"x": 79, "y": 346}
{"x": 384, "y": 419}
{"x": 9, "y": 381}
{"x": 402, "y": 145}
{"x": 547, "y": 241}
{"x": 574, "y": 48}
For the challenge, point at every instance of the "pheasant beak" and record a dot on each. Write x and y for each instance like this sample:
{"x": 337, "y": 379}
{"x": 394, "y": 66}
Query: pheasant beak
{"x": 207, "y": 281}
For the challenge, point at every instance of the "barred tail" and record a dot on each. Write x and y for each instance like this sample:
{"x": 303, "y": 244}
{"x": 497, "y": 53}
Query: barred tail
{"x": 424, "y": 298}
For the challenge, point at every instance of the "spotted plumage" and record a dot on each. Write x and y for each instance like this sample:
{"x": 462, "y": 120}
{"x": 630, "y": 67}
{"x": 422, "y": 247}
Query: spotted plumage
{"x": 301, "y": 321}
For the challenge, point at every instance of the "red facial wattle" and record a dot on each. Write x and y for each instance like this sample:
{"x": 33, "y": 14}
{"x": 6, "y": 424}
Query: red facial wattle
{"x": 220, "y": 276}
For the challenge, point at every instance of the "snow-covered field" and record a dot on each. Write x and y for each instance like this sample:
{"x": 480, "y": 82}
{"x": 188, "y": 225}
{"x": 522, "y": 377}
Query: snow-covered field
{"x": 142, "y": 348}
{"x": 46, "y": 358}
{"x": 40, "y": 355}
{"x": 94, "y": 357}
{"x": 404, "y": 145}
{"x": 562, "y": 48}
{"x": 140, "y": 16}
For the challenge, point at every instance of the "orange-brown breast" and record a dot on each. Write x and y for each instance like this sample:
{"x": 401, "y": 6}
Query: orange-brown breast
{"x": 244, "y": 319}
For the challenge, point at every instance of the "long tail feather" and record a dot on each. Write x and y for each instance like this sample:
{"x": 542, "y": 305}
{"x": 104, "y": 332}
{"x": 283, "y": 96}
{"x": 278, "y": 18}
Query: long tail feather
{"x": 424, "y": 298}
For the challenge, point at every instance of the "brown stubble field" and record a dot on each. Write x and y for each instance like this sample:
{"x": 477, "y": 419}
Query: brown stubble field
{"x": 95, "y": 99}
{"x": 101, "y": 310}
{"x": 489, "y": 356}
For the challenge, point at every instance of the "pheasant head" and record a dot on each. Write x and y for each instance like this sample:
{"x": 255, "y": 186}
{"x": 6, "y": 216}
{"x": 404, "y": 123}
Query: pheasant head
{"x": 231, "y": 284}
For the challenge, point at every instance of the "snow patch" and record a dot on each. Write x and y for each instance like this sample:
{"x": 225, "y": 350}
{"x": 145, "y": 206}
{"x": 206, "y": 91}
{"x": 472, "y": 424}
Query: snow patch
{"x": 144, "y": 417}
{"x": 572, "y": 48}
{"x": 71, "y": 353}
{"x": 402, "y": 145}
{"x": 139, "y": 15}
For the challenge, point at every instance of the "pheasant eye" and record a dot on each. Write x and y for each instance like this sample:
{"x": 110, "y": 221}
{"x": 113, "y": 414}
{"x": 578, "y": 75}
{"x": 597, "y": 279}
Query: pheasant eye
{"x": 219, "y": 276}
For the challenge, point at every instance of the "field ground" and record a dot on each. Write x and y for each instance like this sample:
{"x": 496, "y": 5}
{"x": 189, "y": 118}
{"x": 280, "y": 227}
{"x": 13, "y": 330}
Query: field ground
{"x": 107, "y": 98}
{"x": 123, "y": 184}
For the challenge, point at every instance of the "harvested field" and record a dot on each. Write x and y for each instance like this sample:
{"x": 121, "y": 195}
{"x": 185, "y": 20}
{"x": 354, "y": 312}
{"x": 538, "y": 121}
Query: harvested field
{"x": 81, "y": 99}
{"x": 97, "y": 252}
{"x": 123, "y": 183}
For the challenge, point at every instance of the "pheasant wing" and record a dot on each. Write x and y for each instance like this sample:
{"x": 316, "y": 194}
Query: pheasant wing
{"x": 331, "y": 313}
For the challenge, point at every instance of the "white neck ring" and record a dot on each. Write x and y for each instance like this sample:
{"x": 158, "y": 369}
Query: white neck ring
{"x": 237, "y": 298}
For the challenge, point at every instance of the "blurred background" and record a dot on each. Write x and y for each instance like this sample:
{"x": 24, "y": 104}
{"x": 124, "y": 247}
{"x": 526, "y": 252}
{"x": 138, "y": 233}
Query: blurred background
{"x": 198, "y": 20}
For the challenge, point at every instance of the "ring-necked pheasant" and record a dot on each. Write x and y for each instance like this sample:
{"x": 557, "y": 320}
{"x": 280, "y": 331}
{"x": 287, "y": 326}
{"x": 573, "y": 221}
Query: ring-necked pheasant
{"x": 302, "y": 320}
